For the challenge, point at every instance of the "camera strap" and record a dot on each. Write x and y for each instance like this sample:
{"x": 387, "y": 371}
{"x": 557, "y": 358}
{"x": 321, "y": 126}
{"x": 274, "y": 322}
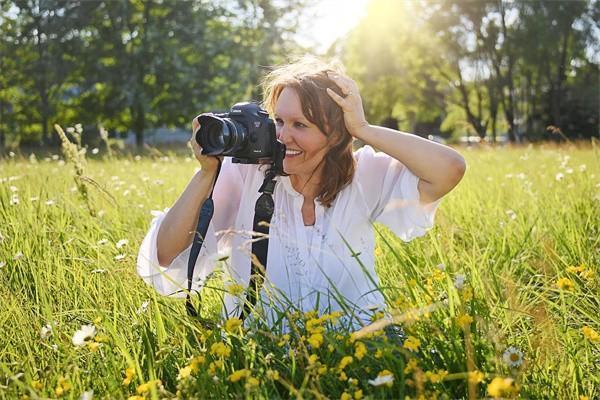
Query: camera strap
{"x": 263, "y": 212}
{"x": 206, "y": 214}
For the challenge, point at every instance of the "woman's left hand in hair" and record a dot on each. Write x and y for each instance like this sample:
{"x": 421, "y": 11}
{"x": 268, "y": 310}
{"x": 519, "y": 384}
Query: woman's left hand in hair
{"x": 351, "y": 104}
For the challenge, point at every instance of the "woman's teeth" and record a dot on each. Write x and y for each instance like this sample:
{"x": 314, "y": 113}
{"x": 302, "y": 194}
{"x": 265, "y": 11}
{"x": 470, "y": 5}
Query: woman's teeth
{"x": 292, "y": 153}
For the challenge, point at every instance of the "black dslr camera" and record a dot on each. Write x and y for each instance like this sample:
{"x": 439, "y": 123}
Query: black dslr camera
{"x": 246, "y": 133}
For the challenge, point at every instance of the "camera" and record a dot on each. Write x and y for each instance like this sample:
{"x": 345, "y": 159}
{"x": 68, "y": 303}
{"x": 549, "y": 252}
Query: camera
{"x": 245, "y": 133}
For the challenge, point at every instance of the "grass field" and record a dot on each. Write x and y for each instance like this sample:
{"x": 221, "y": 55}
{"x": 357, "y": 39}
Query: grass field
{"x": 500, "y": 299}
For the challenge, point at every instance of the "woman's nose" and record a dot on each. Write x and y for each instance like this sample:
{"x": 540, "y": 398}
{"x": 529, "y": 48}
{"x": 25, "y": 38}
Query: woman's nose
{"x": 282, "y": 134}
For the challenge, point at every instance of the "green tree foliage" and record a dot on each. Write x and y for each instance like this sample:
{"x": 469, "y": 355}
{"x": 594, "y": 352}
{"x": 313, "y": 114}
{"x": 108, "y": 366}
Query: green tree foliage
{"x": 480, "y": 66}
{"x": 132, "y": 65}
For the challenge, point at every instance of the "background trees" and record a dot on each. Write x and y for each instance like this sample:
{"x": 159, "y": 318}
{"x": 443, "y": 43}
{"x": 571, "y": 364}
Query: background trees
{"x": 434, "y": 66}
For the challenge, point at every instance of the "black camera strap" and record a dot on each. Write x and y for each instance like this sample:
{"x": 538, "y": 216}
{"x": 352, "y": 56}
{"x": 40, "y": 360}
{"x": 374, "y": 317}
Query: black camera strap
{"x": 263, "y": 212}
{"x": 206, "y": 214}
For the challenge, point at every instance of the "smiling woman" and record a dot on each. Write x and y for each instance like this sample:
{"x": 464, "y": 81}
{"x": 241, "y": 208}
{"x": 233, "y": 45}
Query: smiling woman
{"x": 321, "y": 239}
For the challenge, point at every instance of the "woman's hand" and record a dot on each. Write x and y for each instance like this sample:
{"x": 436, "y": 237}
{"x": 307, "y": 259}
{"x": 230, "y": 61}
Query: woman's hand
{"x": 351, "y": 104}
{"x": 207, "y": 163}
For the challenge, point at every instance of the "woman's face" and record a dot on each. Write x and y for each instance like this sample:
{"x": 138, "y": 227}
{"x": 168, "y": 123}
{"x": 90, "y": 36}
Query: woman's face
{"x": 306, "y": 144}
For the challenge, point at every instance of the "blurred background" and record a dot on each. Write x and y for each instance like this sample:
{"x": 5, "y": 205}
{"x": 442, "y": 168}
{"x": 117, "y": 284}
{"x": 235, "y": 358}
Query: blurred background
{"x": 454, "y": 71}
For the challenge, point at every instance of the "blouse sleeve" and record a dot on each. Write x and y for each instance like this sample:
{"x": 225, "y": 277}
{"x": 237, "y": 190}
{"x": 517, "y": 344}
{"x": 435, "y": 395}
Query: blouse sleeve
{"x": 172, "y": 279}
{"x": 391, "y": 194}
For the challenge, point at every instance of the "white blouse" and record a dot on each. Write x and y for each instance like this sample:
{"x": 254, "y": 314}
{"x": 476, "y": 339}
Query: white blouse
{"x": 329, "y": 266}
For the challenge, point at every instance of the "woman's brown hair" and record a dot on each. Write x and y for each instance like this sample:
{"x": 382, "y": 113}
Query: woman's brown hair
{"x": 308, "y": 77}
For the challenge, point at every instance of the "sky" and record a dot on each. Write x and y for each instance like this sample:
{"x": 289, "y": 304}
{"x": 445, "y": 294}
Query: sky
{"x": 329, "y": 20}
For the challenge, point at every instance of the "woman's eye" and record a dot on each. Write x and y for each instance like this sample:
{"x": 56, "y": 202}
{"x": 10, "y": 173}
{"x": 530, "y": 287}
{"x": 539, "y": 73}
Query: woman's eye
{"x": 278, "y": 121}
{"x": 300, "y": 125}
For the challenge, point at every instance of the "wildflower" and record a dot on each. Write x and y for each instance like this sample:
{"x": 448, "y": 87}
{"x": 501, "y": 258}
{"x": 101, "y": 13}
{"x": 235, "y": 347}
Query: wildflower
{"x": 412, "y": 343}
{"x": 93, "y": 346}
{"x": 358, "y": 394}
{"x": 459, "y": 281}
{"x": 360, "y": 350}
{"x": 238, "y": 375}
{"x": 501, "y": 387}
{"x": 50, "y": 202}
{"x": 385, "y": 377}
{"x": 196, "y": 362}
{"x": 378, "y": 354}
{"x": 559, "y": 176}
{"x": 233, "y": 325}
{"x": 410, "y": 366}
{"x": 322, "y": 370}
{"x": 511, "y": 214}
{"x": 513, "y": 357}
{"x": 565, "y": 284}
{"x": 145, "y": 387}
{"x": 220, "y": 349}
{"x": 46, "y": 331}
{"x": 84, "y": 333}
{"x": 343, "y": 377}
{"x": 37, "y": 385}
{"x": 436, "y": 377}
{"x": 18, "y": 256}
{"x": 235, "y": 289}
{"x": 122, "y": 243}
{"x": 143, "y": 307}
{"x": 136, "y": 398}
{"x": 14, "y": 199}
{"x": 102, "y": 242}
{"x": 129, "y": 375}
{"x": 316, "y": 340}
{"x": 590, "y": 334}
{"x": 284, "y": 339}
{"x": 273, "y": 375}
{"x": 2, "y": 264}
{"x": 119, "y": 257}
{"x": 312, "y": 359}
{"x": 344, "y": 362}
{"x": 464, "y": 320}
{"x": 345, "y": 396}
{"x": 475, "y": 376}
{"x": 251, "y": 383}
{"x": 62, "y": 386}
{"x": 184, "y": 373}
{"x": 441, "y": 267}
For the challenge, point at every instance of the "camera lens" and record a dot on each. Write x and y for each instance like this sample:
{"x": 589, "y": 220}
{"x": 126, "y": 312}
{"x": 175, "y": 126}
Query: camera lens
{"x": 220, "y": 136}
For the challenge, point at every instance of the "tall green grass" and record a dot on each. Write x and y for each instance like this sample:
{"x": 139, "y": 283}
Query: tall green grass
{"x": 520, "y": 221}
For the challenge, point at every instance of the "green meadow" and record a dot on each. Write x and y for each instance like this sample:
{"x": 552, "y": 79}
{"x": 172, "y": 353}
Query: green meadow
{"x": 500, "y": 299}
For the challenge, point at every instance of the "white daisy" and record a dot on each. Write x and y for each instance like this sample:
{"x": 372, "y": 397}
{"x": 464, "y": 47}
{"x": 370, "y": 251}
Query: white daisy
{"x": 382, "y": 380}
{"x": 119, "y": 257}
{"x": 98, "y": 271}
{"x": 46, "y": 331}
{"x": 122, "y": 243}
{"x": 88, "y": 395}
{"x": 513, "y": 357}
{"x": 95, "y": 150}
{"x": 102, "y": 242}
{"x": 143, "y": 307}
{"x": 86, "y": 332}
{"x": 559, "y": 176}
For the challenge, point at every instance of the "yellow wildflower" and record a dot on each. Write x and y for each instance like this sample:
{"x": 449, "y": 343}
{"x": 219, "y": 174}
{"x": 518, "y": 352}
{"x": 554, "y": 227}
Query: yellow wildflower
{"x": 316, "y": 340}
{"x": 565, "y": 284}
{"x": 310, "y": 314}
{"x": 251, "y": 383}
{"x": 313, "y": 325}
{"x": 273, "y": 375}
{"x": 588, "y": 274}
{"x": 475, "y": 376}
{"x": 590, "y": 334}
{"x": 284, "y": 339}
{"x": 62, "y": 386}
{"x": 575, "y": 270}
{"x": 379, "y": 353}
{"x": 235, "y": 289}
{"x": 322, "y": 370}
{"x": 313, "y": 358}
{"x": 501, "y": 387}
{"x": 330, "y": 348}
{"x": 467, "y": 294}
{"x": 360, "y": 350}
{"x": 345, "y": 396}
{"x": 98, "y": 320}
{"x": 412, "y": 343}
{"x": 437, "y": 275}
{"x": 436, "y": 377}
{"x": 343, "y": 376}
{"x": 233, "y": 325}
{"x": 196, "y": 362}
{"x": 410, "y": 366}
{"x": 136, "y": 397}
{"x": 220, "y": 349}
{"x": 145, "y": 387}
{"x": 358, "y": 394}
{"x": 93, "y": 346}
{"x": 344, "y": 362}
{"x": 37, "y": 385}
{"x": 582, "y": 397}
{"x": 185, "y": 372}
{"x": 464, "y": 320}
{"x": 238, "y": 375}
{"x": 129, "y": 375}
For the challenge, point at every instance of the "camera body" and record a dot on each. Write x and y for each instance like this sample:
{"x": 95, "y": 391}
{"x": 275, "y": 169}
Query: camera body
{"x": 245, "y": 133}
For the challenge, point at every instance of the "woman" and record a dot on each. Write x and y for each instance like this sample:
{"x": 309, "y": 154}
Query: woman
{"x": 321, "y": 240}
